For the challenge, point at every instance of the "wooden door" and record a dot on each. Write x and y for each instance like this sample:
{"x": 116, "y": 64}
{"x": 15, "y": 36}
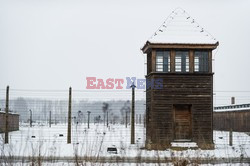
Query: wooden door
{"x": 182, "y": 122}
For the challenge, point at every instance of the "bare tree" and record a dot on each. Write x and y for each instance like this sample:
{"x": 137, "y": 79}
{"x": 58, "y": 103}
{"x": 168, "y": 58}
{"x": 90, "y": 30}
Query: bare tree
{"x": 21, "y": 107}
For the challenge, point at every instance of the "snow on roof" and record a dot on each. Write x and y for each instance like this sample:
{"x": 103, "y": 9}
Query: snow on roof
{"x": 180, "y": 28}
{"x": 233, "y": 110}
{"x": 229, "y": 108}
{"x": 12, "y": 113}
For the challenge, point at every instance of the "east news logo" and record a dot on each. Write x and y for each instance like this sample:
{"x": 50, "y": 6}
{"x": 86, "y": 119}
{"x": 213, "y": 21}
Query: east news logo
{"x": 120, "y": 83}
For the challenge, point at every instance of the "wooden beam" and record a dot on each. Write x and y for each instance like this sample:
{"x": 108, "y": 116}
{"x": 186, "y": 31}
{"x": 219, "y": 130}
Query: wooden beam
{"x": 69, "y": 117}
{"x": 148, "y": 46}
{"x": 6, "y": 139}
{"x": 191, "y": 61}
{"x": 172, "y": 61}
{"x": 210, "y": 62}
{"x": 153, "y": 61}
{"x": 133, "y": 115}
{"x": 178, "y": 74}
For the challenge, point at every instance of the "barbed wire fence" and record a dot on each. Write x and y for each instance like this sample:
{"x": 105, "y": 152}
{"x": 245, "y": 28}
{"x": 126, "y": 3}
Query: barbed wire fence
{"x": 43, "y": 109}
{"x": 106, "y": 108}
{"x": 43, "y": 102}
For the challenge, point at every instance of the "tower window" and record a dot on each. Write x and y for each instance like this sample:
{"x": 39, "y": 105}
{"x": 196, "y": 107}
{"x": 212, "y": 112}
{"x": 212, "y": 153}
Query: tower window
{"x": 163, "y": 61}
{"x": 201, "y": 61}
{"x": 181, "y": 61}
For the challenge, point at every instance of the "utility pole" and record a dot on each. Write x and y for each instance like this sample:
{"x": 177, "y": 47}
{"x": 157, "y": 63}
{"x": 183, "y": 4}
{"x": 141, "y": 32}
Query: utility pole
{"x": 126, "y": 120}
{"x": 88, "y": 118}
{"x": 104, "y": 109}
{"x": 79, "y": 117}
{"x": 139, "y": 118}
{"x": 107, "y": 118}
{"x": 69, "y": 117}
{"x": 125, "y": 108}
{"x": 49, "y": 118}
{"x": 231, "y": 137}
{"x": 144, "y": 120}
{"x": 104, "y": 119}
{"x": 133, "y": 115}
{"x": 30, "y": 118}
{"x": 6, "y": 140}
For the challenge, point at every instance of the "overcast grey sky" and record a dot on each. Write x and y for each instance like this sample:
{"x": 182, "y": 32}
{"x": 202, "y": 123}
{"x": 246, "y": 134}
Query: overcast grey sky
{"x": 54, "y": 44}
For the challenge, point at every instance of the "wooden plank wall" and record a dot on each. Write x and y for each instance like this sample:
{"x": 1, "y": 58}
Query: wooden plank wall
{"x": 13, "y": 122}
{"x": 238, "y": 121}
{"x": 191, "y": 89}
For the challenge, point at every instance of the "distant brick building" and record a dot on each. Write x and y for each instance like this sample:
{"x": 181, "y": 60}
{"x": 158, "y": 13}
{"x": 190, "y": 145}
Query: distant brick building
{"x": 13, "y": 122}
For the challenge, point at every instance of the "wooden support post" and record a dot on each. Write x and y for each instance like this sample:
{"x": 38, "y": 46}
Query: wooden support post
{"x": 231, "y": 137}
{"x": 172, "y": 61}
{"x": 126, "y": 119}
{"x": 191, "y": 61}
{"x": 144, "y": 121}
{"x": 210, "y": 62}
{"x": 49, "y": 118}
{"x": 136, "y": 118}
{"x": 104, "y": 119}
{"x": 69, "y": 118}
{"x": 133, "y": 115}
{"x": 88, "y": 118}
{"x": 6, "y": 140}
{"x": 153, "y": 61}
{"x": 30, "y": 118}
{"x": 107, "y": 118}
{"x": 140, "y": 119}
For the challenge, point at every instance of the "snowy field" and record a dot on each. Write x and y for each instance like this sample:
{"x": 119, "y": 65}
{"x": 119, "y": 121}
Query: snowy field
{"x": 42, "y": 141}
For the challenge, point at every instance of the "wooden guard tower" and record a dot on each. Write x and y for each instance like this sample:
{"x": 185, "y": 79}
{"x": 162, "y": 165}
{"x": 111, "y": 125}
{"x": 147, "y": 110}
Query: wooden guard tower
{"x": 179, "y": 56}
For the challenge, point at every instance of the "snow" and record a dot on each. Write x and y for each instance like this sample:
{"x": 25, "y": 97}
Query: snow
{"x": 128, "y": 164}
{"x": 12, "y": 113}
{"x": 233, "y": 109}
{"x": 241, "y": 107}
{"x": 94, "y": 142}
{"x": 180, "y": 28}
{"x": 184, "y": 144}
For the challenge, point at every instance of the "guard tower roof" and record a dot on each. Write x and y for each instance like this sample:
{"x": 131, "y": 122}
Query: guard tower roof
{"x": 181, "y": 29}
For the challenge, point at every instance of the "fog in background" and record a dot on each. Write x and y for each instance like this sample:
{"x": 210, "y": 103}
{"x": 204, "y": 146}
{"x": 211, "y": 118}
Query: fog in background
{"x": 54, "y": 44}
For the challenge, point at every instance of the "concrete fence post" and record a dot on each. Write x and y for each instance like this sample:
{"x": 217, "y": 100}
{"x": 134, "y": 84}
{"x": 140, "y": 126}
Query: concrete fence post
{"x": 69, "y": 117}
{"x": 133, "y": 115}
{"x": 6, "y": 140}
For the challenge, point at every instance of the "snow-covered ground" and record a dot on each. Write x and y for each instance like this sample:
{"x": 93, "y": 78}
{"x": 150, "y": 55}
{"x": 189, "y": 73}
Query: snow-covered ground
{"x": 52, "y": 142}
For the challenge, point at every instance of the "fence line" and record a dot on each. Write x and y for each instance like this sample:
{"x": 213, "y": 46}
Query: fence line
{"x": 39, "y": 108}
